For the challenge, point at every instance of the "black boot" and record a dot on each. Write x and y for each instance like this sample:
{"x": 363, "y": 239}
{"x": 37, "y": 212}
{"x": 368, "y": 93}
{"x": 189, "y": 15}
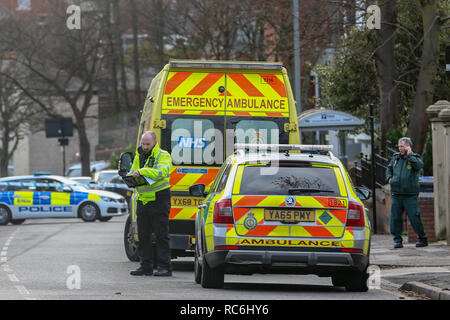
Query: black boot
{"x": 422, "y": 243}
{"x": 141, "y": 272}
{"x": 398, "y": 245}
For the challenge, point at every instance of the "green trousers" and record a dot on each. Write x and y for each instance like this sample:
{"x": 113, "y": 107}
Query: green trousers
{"x": 411, "y": 205}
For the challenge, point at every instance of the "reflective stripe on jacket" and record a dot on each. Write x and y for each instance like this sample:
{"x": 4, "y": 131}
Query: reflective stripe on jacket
{"x": 158, "y": 172}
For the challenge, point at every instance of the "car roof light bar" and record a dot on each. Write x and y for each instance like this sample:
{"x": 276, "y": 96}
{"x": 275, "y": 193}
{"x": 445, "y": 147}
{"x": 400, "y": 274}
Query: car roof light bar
{"x": 283, "y": 147}
{"x": 208, "y": 64}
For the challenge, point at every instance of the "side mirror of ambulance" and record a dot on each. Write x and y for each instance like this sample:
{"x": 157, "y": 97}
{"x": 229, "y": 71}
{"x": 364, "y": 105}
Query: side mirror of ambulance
{"x": 125, "y": 163}
{"x": 197, "y": 190}
{"x": 362, "y": 193}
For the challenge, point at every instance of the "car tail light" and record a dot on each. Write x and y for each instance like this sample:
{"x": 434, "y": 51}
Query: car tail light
{"x": 355, "y": 215}
{"x": 352, "y": 250}
{"x": 227, "y": 247}
{"x": 223, "y": 212}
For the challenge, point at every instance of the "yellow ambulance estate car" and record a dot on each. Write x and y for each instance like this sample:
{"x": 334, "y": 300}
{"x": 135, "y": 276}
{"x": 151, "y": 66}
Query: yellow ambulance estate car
{"x": 283, "y": 212}
{"x": 199, "y": 110}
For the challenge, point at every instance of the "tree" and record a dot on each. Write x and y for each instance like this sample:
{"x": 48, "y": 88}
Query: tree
{"x": 17, "y": 114}
{"x": 386, "y": 69}
{"x": 60, "y": 65}
{"x": 404, "y": 57}
{"x": 425, "y": 86}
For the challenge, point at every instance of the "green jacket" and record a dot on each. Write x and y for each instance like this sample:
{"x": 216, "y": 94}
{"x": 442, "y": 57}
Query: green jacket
{"x": 405, "y": 174}
{"x": 156, "y": 168}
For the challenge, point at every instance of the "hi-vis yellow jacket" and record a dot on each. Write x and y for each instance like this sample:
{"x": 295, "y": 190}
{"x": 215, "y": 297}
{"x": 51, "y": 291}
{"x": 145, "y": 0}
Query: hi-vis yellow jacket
{"x": 157, "y": 172}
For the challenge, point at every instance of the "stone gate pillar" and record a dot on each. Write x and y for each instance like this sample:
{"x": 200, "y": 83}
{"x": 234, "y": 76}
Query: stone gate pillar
{"x": 444, "y": 115}
{"x": 439, "y": 162}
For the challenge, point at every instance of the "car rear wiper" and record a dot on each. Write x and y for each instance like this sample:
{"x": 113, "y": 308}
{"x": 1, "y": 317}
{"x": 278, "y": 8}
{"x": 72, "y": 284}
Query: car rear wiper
{"x": 309, "y": 190}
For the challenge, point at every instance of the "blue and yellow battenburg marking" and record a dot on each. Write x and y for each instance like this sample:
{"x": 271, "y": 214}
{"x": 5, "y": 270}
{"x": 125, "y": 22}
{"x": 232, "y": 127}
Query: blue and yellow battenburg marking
{"x": 29, "y": 198}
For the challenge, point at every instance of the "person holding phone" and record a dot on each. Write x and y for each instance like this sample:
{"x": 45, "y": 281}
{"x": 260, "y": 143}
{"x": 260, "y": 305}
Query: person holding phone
{"x": 153, "y": 205}
{"x": 403, "y": 175}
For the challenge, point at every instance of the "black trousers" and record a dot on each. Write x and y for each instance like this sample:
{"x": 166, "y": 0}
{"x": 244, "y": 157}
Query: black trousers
{"x": 153, "y": 217}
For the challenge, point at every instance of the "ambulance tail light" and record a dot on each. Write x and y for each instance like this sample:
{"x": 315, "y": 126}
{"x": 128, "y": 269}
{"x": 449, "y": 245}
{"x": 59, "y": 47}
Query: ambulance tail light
{"x": 223, "y": 213}
{"x": 355, "y": 215}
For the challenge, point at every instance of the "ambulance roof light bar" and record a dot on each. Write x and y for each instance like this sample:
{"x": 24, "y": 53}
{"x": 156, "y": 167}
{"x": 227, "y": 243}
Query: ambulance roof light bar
{"x": 209, "y": 64}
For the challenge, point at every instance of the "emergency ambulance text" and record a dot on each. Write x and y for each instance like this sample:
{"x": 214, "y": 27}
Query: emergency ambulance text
{"x": 232, "y": 103}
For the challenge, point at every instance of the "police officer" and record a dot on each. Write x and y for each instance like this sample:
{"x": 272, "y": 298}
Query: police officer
{"x": 153, "y": 205}
{"x": 403, "y": 175}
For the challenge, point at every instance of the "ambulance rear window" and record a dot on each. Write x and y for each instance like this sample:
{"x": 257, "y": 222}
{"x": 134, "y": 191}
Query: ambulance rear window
{"x": 289, "y": 180}
{"x": 257, "y": 131}
{"x": 192, "y": 141}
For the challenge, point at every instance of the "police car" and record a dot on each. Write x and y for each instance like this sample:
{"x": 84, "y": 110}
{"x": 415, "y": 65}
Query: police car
{"x": 282, "y": 212}
{"x": 50, "y": 196}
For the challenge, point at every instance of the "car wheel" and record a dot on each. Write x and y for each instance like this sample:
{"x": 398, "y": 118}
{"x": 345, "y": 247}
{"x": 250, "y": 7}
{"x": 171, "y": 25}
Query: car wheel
{"x": 5, "y": 215}
{"x": 356, "y": 281}
{"x": 17, "y": 221}
{"x": 338, "y": 280}
{"x": 88, "y": 212}
{"x": 130, "y": 244}
{"x": 212, "y": 277}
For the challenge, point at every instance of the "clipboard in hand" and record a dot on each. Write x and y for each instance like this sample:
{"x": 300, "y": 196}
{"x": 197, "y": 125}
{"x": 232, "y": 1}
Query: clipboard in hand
{"x": 132, "y": 182}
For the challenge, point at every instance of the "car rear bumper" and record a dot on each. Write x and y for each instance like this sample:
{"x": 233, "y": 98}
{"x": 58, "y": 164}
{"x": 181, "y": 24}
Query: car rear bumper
{"x": 314, "y": 262}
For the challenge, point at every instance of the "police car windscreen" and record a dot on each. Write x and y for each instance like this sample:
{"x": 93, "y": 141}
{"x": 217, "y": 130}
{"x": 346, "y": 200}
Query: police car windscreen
{"x": 304, "y": 181}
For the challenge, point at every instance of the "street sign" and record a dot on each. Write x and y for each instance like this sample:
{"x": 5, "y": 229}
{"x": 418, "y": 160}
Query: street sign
{"x": 58, "y": 127}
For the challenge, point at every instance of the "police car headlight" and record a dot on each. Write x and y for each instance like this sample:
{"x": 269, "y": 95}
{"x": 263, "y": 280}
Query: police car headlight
{"x": 108, "y": 199}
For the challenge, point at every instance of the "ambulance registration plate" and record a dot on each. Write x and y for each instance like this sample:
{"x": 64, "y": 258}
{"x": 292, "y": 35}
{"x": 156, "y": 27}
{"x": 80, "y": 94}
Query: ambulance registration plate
{"x": 291, "y": 215}
{"x": 180, "y": 201}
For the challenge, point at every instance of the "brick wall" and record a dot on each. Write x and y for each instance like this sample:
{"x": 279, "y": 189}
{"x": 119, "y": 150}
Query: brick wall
{"x": 426, "y": 206}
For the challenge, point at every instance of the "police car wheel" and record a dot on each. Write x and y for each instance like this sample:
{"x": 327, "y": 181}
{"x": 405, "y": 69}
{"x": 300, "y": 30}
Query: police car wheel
{"x": 88, "y": 212}
{"x": 5, "y": 215}
{"x": 17, "y": 221}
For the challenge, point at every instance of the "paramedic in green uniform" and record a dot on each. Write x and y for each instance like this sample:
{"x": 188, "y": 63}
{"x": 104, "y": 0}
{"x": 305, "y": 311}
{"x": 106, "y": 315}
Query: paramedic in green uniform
{"x": 403, "y": 175}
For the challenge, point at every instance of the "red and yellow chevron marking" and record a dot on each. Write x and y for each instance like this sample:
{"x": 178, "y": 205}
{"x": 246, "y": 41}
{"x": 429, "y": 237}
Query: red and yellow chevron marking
{"x": 347, "y": 240}
{"x": 246, "y": 94}
{"x": 335, "y": 210}
{"x": 186, "y": 213}
{"x": 181, "y": 181}
{"x": 301, "y": 201}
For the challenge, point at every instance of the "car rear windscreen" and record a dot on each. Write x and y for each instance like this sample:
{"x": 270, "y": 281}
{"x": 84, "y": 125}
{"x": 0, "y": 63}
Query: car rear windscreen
{"x": 289, "y": 180}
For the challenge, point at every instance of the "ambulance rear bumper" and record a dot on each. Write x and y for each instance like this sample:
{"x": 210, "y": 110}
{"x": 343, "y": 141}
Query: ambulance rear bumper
{"x": 293, "y": 261}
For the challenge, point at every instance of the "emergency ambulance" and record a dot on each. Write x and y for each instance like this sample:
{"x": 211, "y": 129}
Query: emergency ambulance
{"x": 283, "y": 212}
{"x": 50, "y": 196}
{"x": 199, "y": 110}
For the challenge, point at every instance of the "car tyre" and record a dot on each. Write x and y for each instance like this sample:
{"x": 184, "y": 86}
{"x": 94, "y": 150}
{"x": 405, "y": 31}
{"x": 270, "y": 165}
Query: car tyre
{"x": 356, "y": 281}
{"x": 338, "y": 280}
{"x": 5, "y": 215}
{"x": 130, "y": 243}
{"x": 88, "y": 212}
{"x": 212, "y": 277}
{"x": 197, "y": 267}
{"x": 17, "y": 221}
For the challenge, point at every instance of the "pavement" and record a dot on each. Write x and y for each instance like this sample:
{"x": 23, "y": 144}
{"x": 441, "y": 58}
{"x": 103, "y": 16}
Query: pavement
{"x": 422, "y": 271}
